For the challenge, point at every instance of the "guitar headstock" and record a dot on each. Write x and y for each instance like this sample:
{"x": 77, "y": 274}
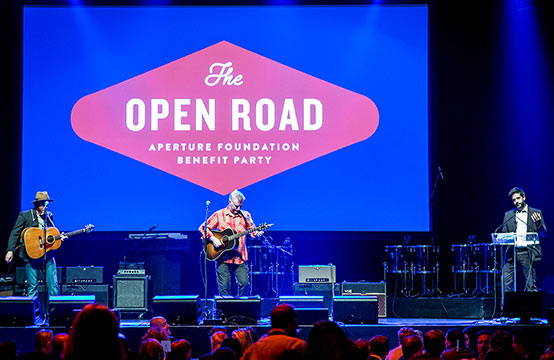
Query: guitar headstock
{"x": 265, "y": 226}
{"x": 88, "y": 228}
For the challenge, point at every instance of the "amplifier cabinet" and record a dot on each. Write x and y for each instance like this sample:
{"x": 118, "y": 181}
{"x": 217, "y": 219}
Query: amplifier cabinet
{"x": 21, "y": 275}
{"x": 317, "y": 274}
{"x": 378, "y": 289}
{"x": 363, "y": 287}
{"x": 130, "y": 293}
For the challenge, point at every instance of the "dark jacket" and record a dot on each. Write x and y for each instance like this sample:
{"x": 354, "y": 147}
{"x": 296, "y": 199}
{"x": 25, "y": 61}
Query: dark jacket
{"x": 25, "y": 219}
{"x": 509, "y": 225}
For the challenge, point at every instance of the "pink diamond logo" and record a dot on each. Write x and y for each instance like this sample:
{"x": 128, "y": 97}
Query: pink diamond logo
{"x": 224, "y": 118}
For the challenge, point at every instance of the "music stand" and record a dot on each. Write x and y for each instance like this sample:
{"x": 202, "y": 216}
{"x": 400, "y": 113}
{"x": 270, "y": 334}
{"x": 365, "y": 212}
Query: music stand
{"x": 515, "y": 240}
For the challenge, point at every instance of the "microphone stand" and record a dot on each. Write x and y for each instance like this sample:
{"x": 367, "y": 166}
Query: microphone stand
{"x": 274, "y": 273}
{"x": 435, "y": 276}
{"x": 205, "y": 311}
{"x": 503, "y": 259}
{"x": 45, "y": 292}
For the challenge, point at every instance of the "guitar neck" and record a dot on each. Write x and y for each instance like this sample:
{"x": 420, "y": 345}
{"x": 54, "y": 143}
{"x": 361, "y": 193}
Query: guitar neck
{"x": 71, "y": 233}
{"x": 246, "y": 232}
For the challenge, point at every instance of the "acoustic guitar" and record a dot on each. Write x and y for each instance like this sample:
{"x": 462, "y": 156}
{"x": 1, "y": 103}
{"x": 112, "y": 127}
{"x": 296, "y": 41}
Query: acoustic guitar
{"x": 36, "y": 247}
{"x": 229, "y": 239}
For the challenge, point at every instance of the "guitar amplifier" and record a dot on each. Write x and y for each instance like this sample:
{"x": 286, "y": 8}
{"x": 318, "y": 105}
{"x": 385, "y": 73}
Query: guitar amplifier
{"x": 131, "y": 269}
{"x": 84, "y": 274}
{"x": 363, "y": 288}
{"x": 317, "y": 274}
{"x": 130, "y": 293}
{"x": 21, "y": 275}
{"x": 131, "y": 272}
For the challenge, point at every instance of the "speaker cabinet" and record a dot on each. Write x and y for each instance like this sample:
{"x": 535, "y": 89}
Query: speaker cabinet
{"x": 64, "y": 308}
{"x": 355, "y": 309}
{"x": 99, "y": 291}
{"x": 309, "y": 316}
{"x": 18, "y": 310}
{"x": 84, "y": 274}
{"x": 177, "y": 309}
{"x": 309, "y": 302}
{"x": 239, "y": 310}
{"x": 130, "y": 293}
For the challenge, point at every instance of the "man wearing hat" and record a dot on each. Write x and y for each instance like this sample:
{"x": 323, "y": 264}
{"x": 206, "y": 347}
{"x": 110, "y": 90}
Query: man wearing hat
{"x": 34, "y": 218}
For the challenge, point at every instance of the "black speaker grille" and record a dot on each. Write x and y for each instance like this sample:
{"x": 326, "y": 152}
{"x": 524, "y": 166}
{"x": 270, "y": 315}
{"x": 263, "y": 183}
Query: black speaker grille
{"x": 130, "y": 293}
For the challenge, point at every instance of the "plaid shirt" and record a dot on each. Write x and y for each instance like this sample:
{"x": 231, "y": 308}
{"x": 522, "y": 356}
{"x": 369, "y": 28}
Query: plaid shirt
{"x": 224, "y": 219}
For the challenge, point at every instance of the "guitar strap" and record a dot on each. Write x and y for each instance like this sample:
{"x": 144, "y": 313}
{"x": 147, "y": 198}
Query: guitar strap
{"x": 246, "y": 222}
{"x": 50, "y": 219}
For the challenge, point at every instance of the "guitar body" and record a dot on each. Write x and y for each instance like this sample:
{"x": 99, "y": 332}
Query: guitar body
{"x": 213, "y": 253}
{"x": 36, "y": 247}
{"x": 229, "y": 239}
{"x": 34, "y": 244}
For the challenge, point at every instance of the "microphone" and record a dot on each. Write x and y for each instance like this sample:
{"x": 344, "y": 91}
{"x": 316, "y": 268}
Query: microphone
{"x": 440, "y": 172}
{"x": 208, "y": 203}
{"x": 153, "y": 227}
{"x": 505, "y": 222}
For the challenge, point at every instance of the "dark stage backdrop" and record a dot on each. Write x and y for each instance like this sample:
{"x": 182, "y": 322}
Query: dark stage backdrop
{"x": 482, "y": 146}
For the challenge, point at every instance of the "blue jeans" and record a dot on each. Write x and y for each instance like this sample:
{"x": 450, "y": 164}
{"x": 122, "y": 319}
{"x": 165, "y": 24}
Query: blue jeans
{"x": 224, "y": 270}
{"x": 32, "y": 269}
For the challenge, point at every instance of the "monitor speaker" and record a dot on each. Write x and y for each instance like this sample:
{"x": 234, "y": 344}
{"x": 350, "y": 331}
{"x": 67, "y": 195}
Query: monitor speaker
{"x": 309, "y": 316}
{"x": 524, "y": 305}
{"x": 18, "y": 310}
{"x": 239, "y": 310}
{"x": 99, "y": 291}
{"x": 64, "y": 308}
{"x": 325, "y": 290}
{"x": 309, "y": 302}
{"x": 177, "y": 309}
{"x": 355, "y": 309}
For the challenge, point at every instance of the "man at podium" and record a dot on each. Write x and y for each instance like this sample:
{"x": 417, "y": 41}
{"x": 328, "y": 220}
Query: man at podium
{"x": 522, "y": 220}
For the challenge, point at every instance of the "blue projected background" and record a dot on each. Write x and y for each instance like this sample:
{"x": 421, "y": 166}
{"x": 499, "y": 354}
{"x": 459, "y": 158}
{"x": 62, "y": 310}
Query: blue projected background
{"x": 380, "y": 184}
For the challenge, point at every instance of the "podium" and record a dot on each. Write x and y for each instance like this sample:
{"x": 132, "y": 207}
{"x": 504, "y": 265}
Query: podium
{"x": 512, "y": 238}
{"x": 516, "y": 240}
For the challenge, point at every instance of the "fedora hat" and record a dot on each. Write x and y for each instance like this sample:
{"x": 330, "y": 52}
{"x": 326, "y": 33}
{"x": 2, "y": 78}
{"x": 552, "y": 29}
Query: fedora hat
{"x": 42, "y": 196}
